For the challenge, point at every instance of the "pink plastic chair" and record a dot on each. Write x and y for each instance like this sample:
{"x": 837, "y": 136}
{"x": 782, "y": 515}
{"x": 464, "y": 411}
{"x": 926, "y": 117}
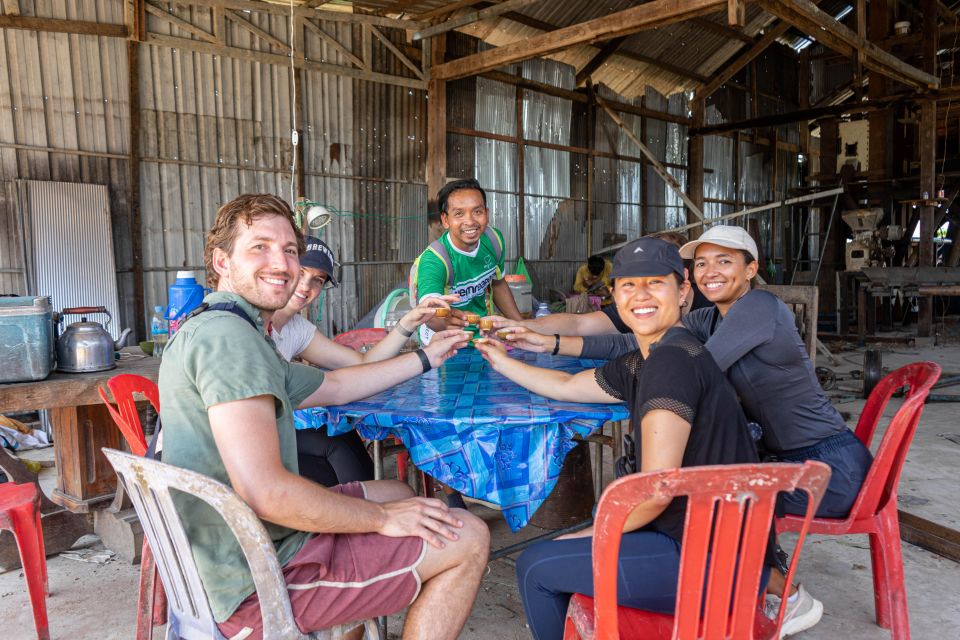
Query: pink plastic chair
{"x": 123, "y": 387}
{"x": 729, "y": 515}
{"x": 20, "y": 514}
{"x": 875, "y": 510}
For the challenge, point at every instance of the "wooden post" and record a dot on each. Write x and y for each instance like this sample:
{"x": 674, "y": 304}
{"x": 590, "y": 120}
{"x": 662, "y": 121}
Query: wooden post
{"x": 133, "y": 187}
{"x": 300, "y": 174}
{"x": 879, "y": 121}
{"x": 695, "y": 164}
{"x": 832, "y": 245}
{"x": 928, "y": 158}
{"x": 645, "y": 206}
{"x": 436, "y": 124}
{"x": 928, "y": 164}
{"x": 521, "y": 157}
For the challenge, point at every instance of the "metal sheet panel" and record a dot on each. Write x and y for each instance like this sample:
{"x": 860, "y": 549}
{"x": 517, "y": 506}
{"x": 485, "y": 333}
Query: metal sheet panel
{"x": 71, "y": 253}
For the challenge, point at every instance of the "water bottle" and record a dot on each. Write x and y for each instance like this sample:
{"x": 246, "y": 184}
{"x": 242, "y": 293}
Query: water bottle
{"x": 159, "y": 331}
{"x": 542, "y": 310}
{"x": 184, "y": 296}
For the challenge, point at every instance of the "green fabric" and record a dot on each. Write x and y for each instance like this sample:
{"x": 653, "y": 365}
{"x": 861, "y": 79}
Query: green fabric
{"x": 215, "y": 358}
{"x": 521, "y": 270}
{"x": 472, "y": 275}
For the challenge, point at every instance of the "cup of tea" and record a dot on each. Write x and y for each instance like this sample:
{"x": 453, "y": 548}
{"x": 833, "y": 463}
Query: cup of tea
{"x": 441, "y": 312}
{"x": 472, "y": 318}
{"x": 486, "y": 324}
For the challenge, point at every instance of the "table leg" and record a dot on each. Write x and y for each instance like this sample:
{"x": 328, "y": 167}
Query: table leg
{"x": 84, "y": 477}
{"x": 61, "y": 528}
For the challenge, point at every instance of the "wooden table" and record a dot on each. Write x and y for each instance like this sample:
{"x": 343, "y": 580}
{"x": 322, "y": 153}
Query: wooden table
{"x": 86, "y": 482}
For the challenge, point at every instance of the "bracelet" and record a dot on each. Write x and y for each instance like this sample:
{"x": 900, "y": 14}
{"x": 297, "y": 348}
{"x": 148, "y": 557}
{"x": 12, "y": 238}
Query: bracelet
{"x": 402, "y": 330}
{"x": 556, "y": 346}
{"x": 424, "y": 360}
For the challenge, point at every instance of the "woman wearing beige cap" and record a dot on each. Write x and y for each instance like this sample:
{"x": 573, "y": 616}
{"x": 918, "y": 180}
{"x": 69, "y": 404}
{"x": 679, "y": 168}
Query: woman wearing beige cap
{"x": 752, "y": 337}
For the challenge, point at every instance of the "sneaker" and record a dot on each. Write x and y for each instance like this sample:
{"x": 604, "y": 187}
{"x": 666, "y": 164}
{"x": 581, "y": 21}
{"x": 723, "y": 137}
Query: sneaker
{"x": 800, "y": 615}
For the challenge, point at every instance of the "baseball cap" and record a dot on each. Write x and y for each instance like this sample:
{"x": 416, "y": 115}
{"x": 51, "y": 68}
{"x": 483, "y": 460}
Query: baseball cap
{"x": 319, "y": 256}
{"x": 731, "y": 237}
{"x": 647, "y": 257}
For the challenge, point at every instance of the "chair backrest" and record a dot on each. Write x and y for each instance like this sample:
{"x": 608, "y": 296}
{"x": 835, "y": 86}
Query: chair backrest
{"x": 803, "y": 301}
{"x": 881, "y": 482}
{"x": 123, "y": 387}
{"x": 148, "y": 482}
{"x": 356, "y": 338}
{"x": 730, "y": 512}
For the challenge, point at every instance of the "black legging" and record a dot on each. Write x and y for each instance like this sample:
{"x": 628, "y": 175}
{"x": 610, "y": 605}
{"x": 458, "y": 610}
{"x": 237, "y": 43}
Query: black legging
{"x": 332, "y": 460}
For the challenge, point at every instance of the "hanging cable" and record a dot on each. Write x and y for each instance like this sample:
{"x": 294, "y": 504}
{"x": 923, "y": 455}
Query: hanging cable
{"x": 294, "y": 136}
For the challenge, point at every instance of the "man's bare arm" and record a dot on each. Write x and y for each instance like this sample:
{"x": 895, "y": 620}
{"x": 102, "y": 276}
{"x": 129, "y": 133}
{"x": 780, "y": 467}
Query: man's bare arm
{"x": 245, "y": 432}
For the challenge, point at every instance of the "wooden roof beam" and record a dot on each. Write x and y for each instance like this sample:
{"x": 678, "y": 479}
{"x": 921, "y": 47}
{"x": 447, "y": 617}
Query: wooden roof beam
{"x": 734, "y": 66}
{"x": 534, "y": 23}
{"x": 722, "y": 30}
{"x": 472, "y": 16}
{"x": 822, "y": 27}
{"x": 646, "y": 16}
{"x": 446, "y": 10}
{"x": 596, "y": 61}
{"x": 64, "y": 26}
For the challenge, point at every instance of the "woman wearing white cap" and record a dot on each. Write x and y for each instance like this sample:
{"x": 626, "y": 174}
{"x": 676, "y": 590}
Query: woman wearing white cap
{"x": 752, "y": 336}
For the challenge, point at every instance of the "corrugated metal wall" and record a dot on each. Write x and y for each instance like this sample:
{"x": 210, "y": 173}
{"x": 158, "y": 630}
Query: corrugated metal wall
{"x": 64, "y": 117}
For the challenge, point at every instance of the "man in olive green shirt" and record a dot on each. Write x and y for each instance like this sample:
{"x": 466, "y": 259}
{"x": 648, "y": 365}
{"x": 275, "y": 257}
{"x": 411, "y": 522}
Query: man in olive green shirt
{"x": 350, "y": 552}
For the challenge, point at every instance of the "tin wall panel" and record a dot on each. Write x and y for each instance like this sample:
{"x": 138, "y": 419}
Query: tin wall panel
{"x": 71, "y": 253}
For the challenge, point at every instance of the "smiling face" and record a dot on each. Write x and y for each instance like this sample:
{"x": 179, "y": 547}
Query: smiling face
{"x": 263, "y": 265}
{"x": 649, "y": 305}
{"x": 308, "y": 288}
{"x": 466, "y": 218}
{"x": 722, "y": 274}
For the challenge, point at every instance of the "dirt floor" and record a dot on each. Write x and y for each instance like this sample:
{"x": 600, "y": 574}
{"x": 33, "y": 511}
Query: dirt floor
{"x": 97, "y": 601}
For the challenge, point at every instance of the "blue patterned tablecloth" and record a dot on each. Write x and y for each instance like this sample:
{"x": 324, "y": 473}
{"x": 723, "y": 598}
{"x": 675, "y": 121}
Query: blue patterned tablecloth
{"x": 475, "y": 430}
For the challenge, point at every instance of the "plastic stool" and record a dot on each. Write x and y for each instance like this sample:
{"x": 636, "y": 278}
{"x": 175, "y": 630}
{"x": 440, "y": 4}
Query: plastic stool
{"x": 20, "y": 514}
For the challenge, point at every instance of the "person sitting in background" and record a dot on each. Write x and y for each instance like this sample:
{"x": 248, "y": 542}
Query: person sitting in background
{"x": 332, "y": 460}
{"x": 593, "y": 278}
{"x": 467, "y": 260}
{"x": 683, "y": 413}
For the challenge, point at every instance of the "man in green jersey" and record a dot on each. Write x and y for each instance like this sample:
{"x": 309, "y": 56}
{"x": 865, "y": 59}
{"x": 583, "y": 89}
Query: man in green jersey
{"x": 466, "y": 260}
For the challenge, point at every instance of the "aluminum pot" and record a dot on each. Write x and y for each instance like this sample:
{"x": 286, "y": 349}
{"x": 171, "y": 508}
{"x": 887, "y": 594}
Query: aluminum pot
{"x": 86, "y": 346}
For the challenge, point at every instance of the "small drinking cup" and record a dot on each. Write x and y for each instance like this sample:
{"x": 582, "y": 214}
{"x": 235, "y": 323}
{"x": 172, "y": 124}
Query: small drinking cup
{"x": 503, "y": 333}
{"x": 472, "y": 318}
{"x": 486, "y": 324}
{"x": 441, "y": 312}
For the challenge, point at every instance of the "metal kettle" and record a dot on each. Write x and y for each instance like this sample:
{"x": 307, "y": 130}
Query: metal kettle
{"x": 86, "y": 346}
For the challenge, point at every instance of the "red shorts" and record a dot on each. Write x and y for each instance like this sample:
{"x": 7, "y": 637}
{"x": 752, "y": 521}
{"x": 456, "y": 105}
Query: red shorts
{"x": 339, "y": 578}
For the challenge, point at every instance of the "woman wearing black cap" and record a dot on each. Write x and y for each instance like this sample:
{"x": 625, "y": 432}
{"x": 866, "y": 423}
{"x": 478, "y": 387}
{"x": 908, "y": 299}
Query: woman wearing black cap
{"x": 683, "y": 412}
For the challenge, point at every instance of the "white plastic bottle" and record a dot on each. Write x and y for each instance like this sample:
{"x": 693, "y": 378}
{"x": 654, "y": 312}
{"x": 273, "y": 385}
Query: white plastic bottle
{"x": 159, "y": 331}
{"x": 542, "y": 310}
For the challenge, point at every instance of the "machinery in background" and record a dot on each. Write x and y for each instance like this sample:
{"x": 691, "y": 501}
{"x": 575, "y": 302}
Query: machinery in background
{"x": 872, "y": 245}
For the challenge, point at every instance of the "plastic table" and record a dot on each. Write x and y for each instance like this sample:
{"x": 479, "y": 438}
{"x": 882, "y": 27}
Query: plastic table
{"x": 476, "y": 431}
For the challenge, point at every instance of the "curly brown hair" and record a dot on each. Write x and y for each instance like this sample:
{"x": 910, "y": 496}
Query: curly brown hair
{"x": 246, "y": 208}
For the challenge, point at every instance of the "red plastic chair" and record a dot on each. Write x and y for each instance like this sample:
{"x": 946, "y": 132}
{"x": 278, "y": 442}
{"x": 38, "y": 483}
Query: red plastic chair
{"x": 20, "y": 514}
{"x": 356, "y": 338}
{"x": 123, "y": 387}
{"x": 729, "y": 507}
{"x": 875, "y": 510}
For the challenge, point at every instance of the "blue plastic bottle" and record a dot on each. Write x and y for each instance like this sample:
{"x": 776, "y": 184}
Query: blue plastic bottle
{"x": 183, "y": 296}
